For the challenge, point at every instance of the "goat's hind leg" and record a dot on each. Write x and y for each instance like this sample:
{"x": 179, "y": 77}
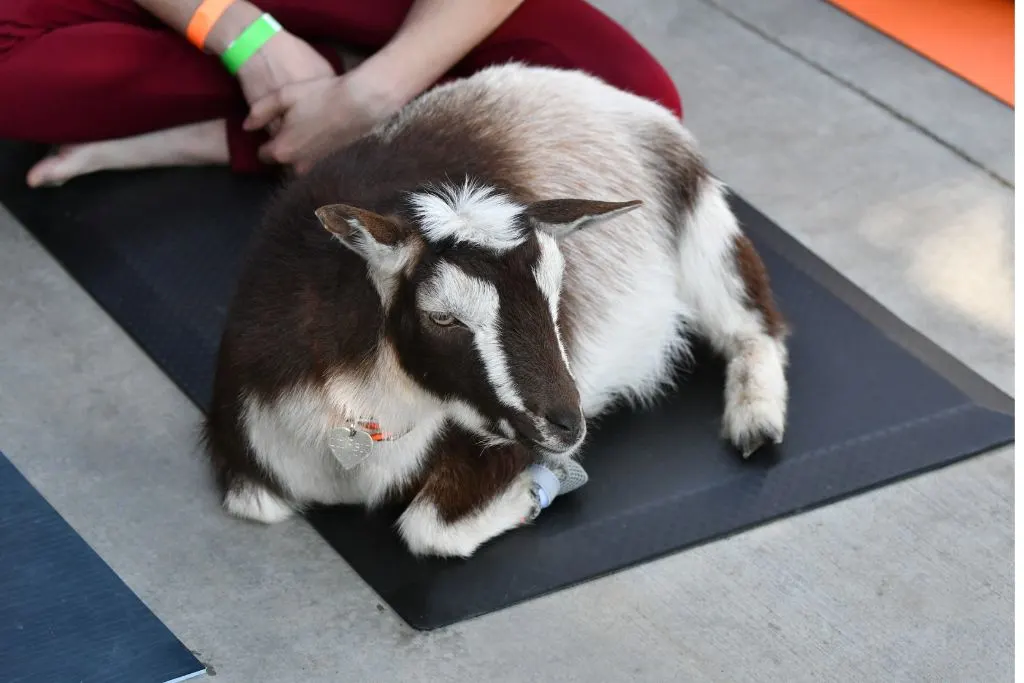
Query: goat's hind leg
{"x": 253, "y": 500}
{"x": 469, "y": 497}
{"x": 726, "y": 291}
{"x": 248, "y": 492}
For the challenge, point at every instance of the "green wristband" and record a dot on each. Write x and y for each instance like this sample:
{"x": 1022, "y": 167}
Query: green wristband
{"x": 249, "y": 42}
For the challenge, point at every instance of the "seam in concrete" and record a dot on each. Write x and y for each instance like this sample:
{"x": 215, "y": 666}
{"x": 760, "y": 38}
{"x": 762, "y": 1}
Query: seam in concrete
{"x": 849, "y": 85}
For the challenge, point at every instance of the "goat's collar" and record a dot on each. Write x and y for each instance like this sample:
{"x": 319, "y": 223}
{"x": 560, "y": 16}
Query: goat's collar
{"x": 354, "y": 441}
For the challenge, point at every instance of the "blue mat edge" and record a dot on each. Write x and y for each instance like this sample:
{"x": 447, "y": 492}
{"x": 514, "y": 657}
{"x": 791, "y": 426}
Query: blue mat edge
{"x": 85, "y": 559}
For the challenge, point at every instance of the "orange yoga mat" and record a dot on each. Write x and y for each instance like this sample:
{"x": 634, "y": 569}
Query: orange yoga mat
{"x": 971, "y": 38}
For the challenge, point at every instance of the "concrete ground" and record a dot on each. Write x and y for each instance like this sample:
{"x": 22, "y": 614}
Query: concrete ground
{"x": 891, "y": 169}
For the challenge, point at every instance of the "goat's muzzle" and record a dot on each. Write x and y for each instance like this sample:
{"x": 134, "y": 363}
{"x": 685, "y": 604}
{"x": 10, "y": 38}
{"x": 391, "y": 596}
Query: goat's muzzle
{"x": 558, "y": 431}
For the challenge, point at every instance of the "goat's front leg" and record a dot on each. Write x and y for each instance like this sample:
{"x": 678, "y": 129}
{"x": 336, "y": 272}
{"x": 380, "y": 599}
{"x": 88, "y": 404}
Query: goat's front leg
{"x": 726, "y": 289}
{"x": 469, "y": 495}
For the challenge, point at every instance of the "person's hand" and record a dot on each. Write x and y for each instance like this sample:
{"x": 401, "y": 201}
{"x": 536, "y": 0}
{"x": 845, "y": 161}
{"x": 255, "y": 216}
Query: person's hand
{"x": 284, "y": 60}
{"x": 317, "y": 117}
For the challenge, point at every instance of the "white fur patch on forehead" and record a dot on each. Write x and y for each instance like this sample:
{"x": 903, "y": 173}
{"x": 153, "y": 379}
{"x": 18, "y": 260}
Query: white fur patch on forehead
{"x": 452, "y": 290}
{"x": 475, "y": 302}
{"x": 473, "y": 214}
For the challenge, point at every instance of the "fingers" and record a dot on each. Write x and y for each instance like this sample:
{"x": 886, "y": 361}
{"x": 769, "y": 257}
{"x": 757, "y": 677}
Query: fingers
{"x": 268, "y": 112}
{"x": 271, "y": 153}
{"x": 281, "y": 149}
{"x": 267, "y": 109}
{"x": 281, "y": 152}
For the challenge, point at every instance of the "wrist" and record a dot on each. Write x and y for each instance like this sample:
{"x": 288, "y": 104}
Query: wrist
{"x": 230, "y": 25}
{"x": 384, "y": 86}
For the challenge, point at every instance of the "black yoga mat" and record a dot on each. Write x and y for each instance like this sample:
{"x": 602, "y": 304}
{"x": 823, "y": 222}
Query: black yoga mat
{"x": 872, "y": 401}
{"x": 64, "y": 614}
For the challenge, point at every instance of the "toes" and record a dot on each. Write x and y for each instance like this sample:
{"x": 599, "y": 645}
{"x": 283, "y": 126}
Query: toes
{"x": 54, "y": 170}
{"x": 43, "y": 174}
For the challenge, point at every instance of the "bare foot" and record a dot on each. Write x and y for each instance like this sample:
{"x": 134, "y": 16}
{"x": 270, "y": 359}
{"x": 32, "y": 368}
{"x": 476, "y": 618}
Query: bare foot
{"x": 196, "y": 144}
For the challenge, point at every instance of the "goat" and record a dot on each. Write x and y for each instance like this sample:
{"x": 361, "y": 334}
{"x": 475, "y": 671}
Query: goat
{"x": 454, "y": 295}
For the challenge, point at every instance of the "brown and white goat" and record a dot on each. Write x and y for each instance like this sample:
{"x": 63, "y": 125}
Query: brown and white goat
{"x": 504, "y": 259}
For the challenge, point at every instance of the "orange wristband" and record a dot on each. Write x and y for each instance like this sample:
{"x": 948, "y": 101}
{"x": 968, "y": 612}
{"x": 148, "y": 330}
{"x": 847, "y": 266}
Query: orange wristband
{"x": 207, "y": 14}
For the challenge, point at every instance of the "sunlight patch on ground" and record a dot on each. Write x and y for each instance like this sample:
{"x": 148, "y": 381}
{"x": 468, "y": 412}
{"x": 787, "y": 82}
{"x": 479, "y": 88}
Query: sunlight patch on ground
{"x": 960, "y": 259}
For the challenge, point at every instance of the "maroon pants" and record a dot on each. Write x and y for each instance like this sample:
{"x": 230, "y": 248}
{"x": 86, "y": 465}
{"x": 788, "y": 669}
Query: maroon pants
{"x": 85, "y": 70}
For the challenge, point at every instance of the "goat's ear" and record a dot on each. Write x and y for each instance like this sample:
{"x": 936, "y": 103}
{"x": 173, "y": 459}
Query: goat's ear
{"x": 376, "y": 238}
{"x": 560, "y": 217}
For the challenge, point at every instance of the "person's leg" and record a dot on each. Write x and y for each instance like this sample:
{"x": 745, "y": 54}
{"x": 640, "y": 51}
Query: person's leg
{"x": 194, "y": 144}
{"x": 570, "y": 34}
{"x": 89, "y": 70}
{"x": 573, "y": 34}
{"x": 84, "y": 71}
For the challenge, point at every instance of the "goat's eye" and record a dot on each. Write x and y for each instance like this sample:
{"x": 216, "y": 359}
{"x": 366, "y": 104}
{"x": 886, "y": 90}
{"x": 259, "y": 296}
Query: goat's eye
{"x": 442, "y": 319}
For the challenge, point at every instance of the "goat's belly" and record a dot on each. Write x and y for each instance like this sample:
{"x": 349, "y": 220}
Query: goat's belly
{"x": 631, "y": 352}
{"x": 623, "y": 309}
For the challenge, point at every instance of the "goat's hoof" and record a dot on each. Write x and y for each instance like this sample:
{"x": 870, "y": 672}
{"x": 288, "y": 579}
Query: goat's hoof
{"x": 249, "y": 500}
{"x": 751, "y": 429}
{"x": 753, "y": 419}
{"x": 754, "y": 441}
{"x": 535, "y": 507}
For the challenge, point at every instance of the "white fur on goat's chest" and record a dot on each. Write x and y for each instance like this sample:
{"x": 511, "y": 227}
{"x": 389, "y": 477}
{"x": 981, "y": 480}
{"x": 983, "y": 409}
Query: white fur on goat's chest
{"x": 290, "y": 436}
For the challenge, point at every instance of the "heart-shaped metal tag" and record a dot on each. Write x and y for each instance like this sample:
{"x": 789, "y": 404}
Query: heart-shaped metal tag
{"x": 350, "y": 446}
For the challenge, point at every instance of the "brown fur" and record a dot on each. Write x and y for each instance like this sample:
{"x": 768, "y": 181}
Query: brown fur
{"x": 560, "y": 211}
{"x": 681, "y": 166}
{"x": 386, "y": 230}
{"x": 306, "y": 312}
{"x": 270, "y": 345}
{"x": 464, "y": 476}
{"x": 758, "y": 286}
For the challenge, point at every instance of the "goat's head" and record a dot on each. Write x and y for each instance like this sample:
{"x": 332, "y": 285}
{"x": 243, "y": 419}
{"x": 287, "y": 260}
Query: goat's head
{"x": 470, "y": 284}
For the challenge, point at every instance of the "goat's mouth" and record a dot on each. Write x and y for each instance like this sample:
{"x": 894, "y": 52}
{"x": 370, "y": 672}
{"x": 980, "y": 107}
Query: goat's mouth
{"x": 557, "y": 435}
{"x": 560, "y": 449}
{"x": 549, "y": 454}
{"x": 555, "y": 448}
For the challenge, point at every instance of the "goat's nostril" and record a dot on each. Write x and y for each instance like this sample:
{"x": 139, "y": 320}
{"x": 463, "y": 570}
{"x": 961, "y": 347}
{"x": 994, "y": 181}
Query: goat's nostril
{"x": 566, "y": 422}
